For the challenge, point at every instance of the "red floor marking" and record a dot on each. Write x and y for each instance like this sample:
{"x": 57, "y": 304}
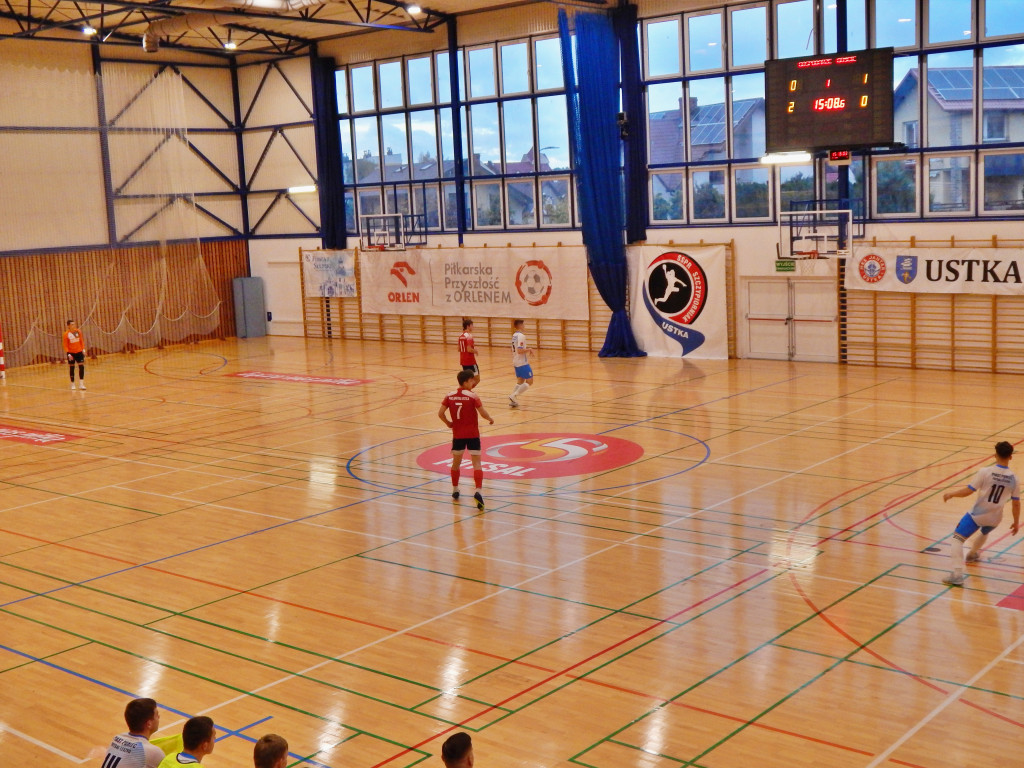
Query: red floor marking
{"x": 552, "y": 673}
{"x": 861, "y": 646}
{"x": 1013, "y": 600}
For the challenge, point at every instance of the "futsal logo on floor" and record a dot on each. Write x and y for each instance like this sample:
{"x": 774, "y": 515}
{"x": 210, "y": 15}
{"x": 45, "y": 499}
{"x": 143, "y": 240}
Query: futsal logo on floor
{"x": 540, "y": 454}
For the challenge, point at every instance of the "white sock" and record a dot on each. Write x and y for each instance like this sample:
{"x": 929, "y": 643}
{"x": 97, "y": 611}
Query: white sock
{"x": 957, "y": 552}
{"x": 520, "y": 388}
{"x": 978, "y": 543}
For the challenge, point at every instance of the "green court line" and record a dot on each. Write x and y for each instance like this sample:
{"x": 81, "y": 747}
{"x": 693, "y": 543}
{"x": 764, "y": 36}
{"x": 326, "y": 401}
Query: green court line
{"x": 213, "y": 681}
{"x": 172, "y": 614}
{"x": 584, "y": 675}
{"x": 904, "y": 672}
{"x": 672, "y": 626}
{"x": 768, "y": 642}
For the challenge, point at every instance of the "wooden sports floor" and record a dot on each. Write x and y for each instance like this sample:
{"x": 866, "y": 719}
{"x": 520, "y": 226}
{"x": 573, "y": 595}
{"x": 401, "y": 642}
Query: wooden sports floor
{"x": 729, "y": 564}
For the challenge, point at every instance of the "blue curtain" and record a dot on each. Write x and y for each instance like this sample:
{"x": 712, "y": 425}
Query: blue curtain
{"x": 634, "y": 163}
{"x": 593, "y": 104}
{"x": 328, "y": 153}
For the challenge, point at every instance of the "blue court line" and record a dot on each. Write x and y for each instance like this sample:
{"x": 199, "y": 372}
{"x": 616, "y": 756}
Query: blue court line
{"x": 701, "y": 405}
{"x": 228, "y": 732}
{"x": 707, "y": 454}
{"x": 208, "y": 546}
{"x": 707, "y": 448}
{"x": 224, "y": 361}
{"x": 133, "y": 695}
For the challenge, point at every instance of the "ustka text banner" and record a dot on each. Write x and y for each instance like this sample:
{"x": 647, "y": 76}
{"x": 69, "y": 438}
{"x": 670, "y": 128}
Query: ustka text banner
{"x": 936, "y": 270}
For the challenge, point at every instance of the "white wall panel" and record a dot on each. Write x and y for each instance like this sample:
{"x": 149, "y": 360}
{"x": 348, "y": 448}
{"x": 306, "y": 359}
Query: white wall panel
{"x": 51, "y": 193}
{"x": 286, "y": 95}
{"x": 277, "y": 262}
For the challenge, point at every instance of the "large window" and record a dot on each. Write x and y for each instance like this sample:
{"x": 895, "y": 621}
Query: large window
{"x": 944, "y": 130}
{"x": 958, "y": 120}
{"x": 398, "y": 138}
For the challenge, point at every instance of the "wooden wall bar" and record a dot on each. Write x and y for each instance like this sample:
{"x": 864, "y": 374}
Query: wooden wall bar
{"x": 115, "y": 289}
{"x": 940, "y": 331}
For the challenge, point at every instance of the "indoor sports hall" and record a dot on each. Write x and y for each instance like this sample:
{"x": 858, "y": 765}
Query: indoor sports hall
{"x": 769, "y": 263}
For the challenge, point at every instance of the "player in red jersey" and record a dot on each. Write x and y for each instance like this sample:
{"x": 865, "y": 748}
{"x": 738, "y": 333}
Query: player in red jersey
{"x": 463, "y": 405}
{"x": 467, "y": 350}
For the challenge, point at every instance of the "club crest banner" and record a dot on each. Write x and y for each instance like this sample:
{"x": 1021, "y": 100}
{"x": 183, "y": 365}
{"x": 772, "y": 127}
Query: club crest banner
{"x": 549, "y": 283}
{"x": 936, "y": 270}
{"x": 678, "y": 302}
{"x": 329, "y": 273}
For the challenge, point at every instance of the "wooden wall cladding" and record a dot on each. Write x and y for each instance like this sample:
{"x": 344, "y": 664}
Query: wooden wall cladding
{"x": 124, "y": 298}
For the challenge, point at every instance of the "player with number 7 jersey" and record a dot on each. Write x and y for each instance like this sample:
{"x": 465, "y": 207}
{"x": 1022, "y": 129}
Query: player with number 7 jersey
{"x": 459, "y": 411}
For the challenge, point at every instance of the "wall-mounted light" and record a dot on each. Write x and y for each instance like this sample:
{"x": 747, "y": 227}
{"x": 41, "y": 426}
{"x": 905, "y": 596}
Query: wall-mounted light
{"x": 300, "y": 190}
{"x": 781, "y": 158}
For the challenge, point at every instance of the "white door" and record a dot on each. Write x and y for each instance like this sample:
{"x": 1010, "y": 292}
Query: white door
{"x": 793, "y": 318}
{"x": 815, "y": 319}
{"x": 768, "y": 318}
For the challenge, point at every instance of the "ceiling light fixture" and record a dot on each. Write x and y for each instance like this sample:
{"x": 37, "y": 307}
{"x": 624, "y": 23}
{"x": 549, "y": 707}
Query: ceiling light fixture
{"x": 231, "y": 45}
{"x": 413, "y": 8}
{"x": 88, "y": 29}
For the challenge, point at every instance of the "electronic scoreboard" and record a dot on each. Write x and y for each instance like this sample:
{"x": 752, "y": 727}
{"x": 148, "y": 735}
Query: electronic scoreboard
{"x": 842, "y": 100}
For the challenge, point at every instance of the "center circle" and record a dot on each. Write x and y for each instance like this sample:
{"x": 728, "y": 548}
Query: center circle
{"x": 539, "y": 454}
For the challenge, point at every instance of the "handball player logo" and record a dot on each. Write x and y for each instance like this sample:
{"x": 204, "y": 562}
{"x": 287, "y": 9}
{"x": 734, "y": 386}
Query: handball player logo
{"x": 872, "y": 268}
{"x": 675, "y": 292}
{"x": 544, "y": 454}
{"x": 533, "y": 282}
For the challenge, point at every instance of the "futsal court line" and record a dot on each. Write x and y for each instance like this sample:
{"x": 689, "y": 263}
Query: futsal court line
{"x": 110, "y": 686}
{"x": 866, "y": 646}
{"x": 749, "y": 722}
{"x": 953, "y": 696}
{"x": 43, "y": 745}
{"x": 459, "y": 608}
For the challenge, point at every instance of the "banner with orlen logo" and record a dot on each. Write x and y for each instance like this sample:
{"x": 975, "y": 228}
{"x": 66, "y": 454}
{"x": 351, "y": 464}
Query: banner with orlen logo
{"x": 936, "y": 270}
{"x": 678, "y": 303}
{"x": 546, "y": 283}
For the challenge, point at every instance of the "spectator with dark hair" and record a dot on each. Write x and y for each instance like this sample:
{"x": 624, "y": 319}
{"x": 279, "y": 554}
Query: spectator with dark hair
{"x": 271, "y": 751}
{"x": 198, "y": 739}
{"x": 457, "y": 751}
{"x": 135, "y": 749}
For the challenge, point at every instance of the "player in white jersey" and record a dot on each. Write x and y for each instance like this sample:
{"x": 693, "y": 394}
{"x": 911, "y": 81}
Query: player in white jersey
{"x": 134, "y": 749}
{"x": 994, "y": 486}
{"x": 521, "y": 362}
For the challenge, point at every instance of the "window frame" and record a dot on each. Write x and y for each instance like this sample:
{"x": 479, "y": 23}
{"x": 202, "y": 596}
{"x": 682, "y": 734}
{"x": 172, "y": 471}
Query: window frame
{"x": 733, "y": 208}
{"x": 982, "y": 183}
{"x": 680, "y": 44}
{"x": 914, "y": 158}
{"x": 722, "y": 42}
{"x": 730, "y": 66}
{"x": 971, "y": 194}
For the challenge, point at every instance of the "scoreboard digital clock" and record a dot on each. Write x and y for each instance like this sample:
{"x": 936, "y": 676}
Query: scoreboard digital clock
{"x": 822, "y": 102}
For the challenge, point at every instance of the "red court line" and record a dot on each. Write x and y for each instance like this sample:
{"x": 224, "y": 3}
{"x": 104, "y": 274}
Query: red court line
{"x": 239, "y": 591}
{"x": 566, "y": 670}
{"x": 521, "y": 663}
{"x": 861, "y": 646}
{"x": 553, "y": 674}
